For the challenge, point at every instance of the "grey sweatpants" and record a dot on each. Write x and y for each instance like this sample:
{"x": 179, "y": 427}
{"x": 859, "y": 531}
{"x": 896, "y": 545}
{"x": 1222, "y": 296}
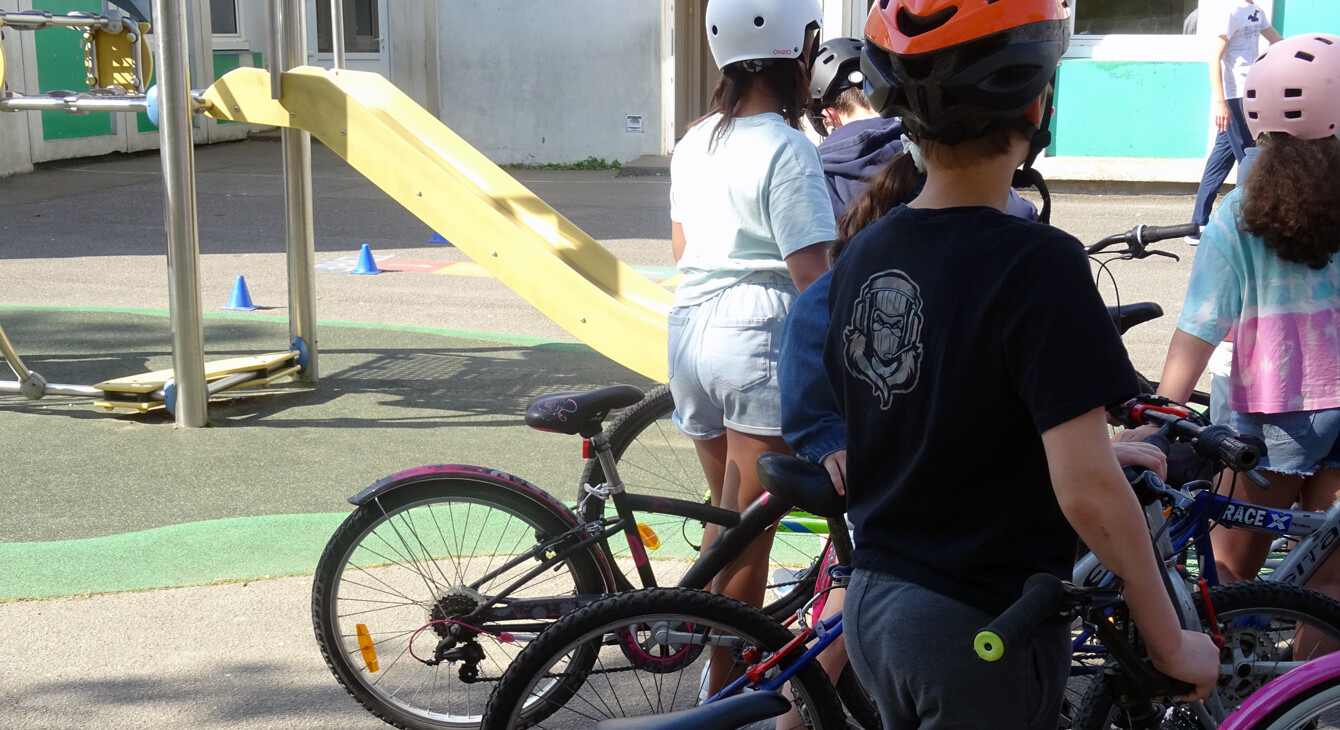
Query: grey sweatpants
{"x": 912, "y": 649}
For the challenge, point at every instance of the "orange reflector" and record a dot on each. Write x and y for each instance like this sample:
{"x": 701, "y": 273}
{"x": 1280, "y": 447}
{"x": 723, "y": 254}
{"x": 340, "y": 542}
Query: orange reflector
{"x": 649, "y": 538}
{"x": 365, "y": 646}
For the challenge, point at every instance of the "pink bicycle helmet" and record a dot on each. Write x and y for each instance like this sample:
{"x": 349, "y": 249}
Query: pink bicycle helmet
{"x": 1294, "y": 88}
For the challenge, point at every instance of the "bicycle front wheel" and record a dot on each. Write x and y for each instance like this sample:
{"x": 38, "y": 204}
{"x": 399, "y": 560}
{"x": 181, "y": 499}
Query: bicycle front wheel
{"x": 402, "y": 570}
{"x": 656, "y": 458}
{"x": 652, "y": 648}
{"x": 1258, "y": 620}
{"x": 1318, "y": 707}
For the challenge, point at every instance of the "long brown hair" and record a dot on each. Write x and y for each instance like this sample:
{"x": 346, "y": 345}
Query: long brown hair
{"x": 786, "y": 80}
{"x": 1291, "y": 198}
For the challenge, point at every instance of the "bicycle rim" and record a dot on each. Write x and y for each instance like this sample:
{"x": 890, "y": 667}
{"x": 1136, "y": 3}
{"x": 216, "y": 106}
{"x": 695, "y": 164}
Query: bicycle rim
{"x": 400, "y": 571}
{"x": 651, "y": 652}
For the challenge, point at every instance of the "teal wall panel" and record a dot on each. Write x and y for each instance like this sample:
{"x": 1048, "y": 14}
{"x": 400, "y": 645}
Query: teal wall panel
{"x": 1131, "y": 109}
{"x": 1307, "y": 16}
{"x": 60, "y": 65}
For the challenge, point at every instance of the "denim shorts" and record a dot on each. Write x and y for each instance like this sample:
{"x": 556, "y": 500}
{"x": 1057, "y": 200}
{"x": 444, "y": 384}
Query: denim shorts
{"x": 723, "y": 358}
{"x": 1298, "y": 442}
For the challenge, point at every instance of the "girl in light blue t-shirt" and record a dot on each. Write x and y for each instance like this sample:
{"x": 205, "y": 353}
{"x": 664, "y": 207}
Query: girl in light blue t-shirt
{"x": 750, "y": 215}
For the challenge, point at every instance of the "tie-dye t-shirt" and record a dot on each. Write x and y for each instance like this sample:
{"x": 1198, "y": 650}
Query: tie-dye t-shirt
{"x": 1286, "y": 352}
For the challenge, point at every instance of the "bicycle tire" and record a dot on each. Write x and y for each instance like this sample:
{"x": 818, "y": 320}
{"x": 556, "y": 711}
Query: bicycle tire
{"x": 375, "y": 568}
{"x": 1238, "y": 607}
{"x": 860, "y": 705}
{"x": 654, "y": 457}
{"x": 1317, "y": 707}
{"x": 644, "y": 614}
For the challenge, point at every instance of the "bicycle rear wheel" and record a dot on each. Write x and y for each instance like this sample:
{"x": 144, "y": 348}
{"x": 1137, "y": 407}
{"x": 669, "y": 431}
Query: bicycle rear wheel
{"x": 1258, "y": 620}
{"x": 652, "y": 648}
{"x": 656, "y": 458}
{"x": 401, "y": 570}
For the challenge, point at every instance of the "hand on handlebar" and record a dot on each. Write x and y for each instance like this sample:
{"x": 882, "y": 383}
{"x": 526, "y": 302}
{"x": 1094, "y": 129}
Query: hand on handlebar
{"x": 1138, "y": 453}
{"x": 836, "y": 464}
{"x": 1195, "y": 661}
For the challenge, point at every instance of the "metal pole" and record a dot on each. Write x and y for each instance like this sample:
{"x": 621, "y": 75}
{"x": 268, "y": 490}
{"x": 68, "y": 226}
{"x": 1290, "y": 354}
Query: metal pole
{"x": 178, "y": 153}
{"x": 337, "y": 32}
{"x": 291, "y": 33}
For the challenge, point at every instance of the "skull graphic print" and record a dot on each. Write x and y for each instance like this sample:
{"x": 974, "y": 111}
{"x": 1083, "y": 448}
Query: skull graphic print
{"x": 883, "y": 337}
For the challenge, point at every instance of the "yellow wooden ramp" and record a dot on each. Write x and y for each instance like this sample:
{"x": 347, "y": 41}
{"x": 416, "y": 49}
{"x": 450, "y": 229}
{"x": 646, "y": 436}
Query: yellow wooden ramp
{"x": 458, "y": 192}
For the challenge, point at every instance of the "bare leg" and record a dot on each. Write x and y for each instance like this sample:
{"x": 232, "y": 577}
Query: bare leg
{"x": 746, "y": 578}
{"x": 1320, "y": 491}
{"x": 712, "y": 456}
{"x": 1239, "y": 554}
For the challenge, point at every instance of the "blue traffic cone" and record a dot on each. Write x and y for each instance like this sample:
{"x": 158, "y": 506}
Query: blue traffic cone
{"x": 366, "y": 264}
{"x": 240, "y": 301}
{"x": 438, "y": 238}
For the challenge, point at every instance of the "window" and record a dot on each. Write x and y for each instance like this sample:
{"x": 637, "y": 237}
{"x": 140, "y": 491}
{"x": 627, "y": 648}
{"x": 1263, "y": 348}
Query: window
{"x": 362, "y": 27}
{"x": 223, "y": 17}
{"x": 1132, "y": 17}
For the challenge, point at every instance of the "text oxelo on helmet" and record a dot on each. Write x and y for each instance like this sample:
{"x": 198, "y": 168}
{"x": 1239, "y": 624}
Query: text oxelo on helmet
{"x": 1294, "y": 87}
{"x": 959, "y": 69}
{"x": 745, "y": 30}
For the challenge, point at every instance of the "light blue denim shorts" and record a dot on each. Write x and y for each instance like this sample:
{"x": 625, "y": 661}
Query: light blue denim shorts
{"x": 723, "y": 358}
{"x": 1298, "y": 442}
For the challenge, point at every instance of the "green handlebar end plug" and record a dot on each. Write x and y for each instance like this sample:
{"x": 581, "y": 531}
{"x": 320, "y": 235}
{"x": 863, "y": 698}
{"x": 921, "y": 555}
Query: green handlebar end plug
{"x": 989, "y": 645}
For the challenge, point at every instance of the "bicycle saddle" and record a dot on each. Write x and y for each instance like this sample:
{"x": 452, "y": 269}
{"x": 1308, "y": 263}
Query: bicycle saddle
{"x": 801, "y": 483}
{"x": 727, "y": 714}
{"x": 579, "y": 412}
{"x": 1129, "y": 315}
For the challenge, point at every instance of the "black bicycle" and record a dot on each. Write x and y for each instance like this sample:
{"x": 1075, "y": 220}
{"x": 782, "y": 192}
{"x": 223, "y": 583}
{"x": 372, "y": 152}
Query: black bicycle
{"x": 429, "y": 589}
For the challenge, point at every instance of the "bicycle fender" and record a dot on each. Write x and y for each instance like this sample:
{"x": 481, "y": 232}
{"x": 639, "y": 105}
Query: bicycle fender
{"x": 504, "y": 480}
{"x": 1265, "y": 700}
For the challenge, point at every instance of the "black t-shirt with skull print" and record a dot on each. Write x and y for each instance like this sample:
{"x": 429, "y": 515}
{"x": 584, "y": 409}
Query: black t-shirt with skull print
{"x": 957, "y": 337}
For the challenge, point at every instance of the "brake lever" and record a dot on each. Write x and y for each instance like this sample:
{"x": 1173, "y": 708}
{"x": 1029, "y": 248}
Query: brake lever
{"x": 1255, "y": 477}
{"x": 1169, "y": 254}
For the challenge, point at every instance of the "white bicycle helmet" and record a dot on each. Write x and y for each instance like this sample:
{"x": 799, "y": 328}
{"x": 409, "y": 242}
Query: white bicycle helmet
{"x": 746, "y": 30}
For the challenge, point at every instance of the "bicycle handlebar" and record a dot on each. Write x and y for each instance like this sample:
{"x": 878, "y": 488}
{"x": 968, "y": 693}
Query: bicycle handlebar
{"x": 1216, "y": 442}
{"x": 1044, "y": 597}
{"x": 1138, "y": 238}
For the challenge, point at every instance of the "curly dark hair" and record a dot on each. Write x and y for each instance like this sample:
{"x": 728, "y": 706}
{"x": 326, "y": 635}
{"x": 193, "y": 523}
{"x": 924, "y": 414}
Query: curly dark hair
{"x": 1291, "y": 198}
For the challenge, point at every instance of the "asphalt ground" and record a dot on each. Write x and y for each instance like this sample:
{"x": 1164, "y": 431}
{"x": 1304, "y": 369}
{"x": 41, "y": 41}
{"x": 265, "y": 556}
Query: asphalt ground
{"x": 164, "y": 547}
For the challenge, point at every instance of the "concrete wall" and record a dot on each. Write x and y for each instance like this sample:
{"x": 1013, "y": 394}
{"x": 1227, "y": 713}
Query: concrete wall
{"x": 14, "y": 154}
{"x": 414, "y": 51}
{"x": 551, "y": 81}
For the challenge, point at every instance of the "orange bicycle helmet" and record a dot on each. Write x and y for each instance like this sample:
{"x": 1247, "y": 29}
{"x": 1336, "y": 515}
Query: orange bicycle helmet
{"x": 956, "y": 70}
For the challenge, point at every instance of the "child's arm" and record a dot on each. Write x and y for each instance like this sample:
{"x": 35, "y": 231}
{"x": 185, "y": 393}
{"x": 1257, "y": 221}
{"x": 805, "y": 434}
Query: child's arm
{"x": 1099, "y": 503}
{"x": 1188, "y": 356}
{"x": 808, "y": 264}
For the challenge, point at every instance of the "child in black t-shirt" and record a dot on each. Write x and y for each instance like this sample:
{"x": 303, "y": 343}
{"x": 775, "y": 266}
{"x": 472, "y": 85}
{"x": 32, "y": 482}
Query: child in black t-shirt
{"x": 973, "y": 360}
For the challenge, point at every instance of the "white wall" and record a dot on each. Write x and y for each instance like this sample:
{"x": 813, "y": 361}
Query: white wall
{"x": 15, "y": 156}
{"x": 551, "y": 81}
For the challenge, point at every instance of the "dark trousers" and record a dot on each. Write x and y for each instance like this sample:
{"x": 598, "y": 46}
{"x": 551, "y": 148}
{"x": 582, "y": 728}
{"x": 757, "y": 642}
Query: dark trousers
{"x": 1234, "y": 145}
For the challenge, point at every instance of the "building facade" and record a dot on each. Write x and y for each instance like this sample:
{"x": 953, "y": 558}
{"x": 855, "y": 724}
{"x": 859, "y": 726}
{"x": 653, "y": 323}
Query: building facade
{"x": 569, "y": 80}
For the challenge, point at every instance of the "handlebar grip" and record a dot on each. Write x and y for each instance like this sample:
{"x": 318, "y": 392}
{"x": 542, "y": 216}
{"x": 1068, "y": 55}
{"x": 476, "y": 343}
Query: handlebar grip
{"x": 1044, "y": 596}
{"x": 1220, "y": 442}
{"x": 1162, "y": 233}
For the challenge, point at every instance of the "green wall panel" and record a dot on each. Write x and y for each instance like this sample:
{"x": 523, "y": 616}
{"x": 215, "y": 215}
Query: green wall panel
{"x": 60, "y": 65}
{"x": 1131, "y": 109}
{"x": 1307, "y": 16}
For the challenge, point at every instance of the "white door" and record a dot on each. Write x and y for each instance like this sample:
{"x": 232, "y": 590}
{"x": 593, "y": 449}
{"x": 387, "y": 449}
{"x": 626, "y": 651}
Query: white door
{"x": 367, "y": 35}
